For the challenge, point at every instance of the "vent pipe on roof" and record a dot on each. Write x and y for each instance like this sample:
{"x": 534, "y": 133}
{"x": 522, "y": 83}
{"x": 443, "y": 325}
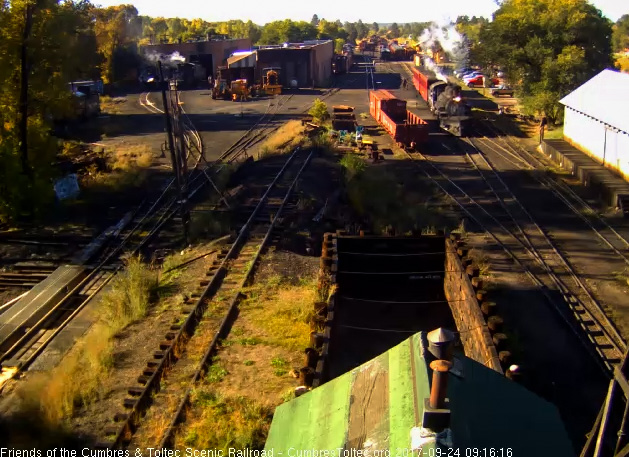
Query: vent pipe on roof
{"x": 436, "y": 416}
{"x": 440, "y": 369}
{"x": 441, "y": 343}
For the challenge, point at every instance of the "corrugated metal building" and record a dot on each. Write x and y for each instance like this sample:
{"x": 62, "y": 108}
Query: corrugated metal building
{"x": 309, "y": 63}
{"x": 596, "y": 119}
{"x": 210, "y": 53}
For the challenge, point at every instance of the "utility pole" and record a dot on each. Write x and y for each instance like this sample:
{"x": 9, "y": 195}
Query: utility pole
{"x": 183, "y": 167}
{"x": 174, "y": 156}
{"x": 23, "y": 110}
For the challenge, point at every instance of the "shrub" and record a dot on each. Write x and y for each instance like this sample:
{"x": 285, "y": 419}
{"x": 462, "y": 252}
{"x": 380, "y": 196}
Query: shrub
{"x": 319, "y": 111}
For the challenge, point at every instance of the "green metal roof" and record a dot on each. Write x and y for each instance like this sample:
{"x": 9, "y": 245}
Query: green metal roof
{"x": 375, "y": 406}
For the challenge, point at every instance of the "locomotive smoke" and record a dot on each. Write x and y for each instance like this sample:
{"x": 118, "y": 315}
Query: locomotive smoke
{"x": 431, "y": 65}
{"x": 451, "y": 41}
{"x": 168, "y": 60}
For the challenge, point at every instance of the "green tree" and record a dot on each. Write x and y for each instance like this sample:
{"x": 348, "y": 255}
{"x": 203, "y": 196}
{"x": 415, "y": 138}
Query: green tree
{"x": 278, "y": 32}
{"x": 315, "y": 20}
{"x": 338, "y": 45}
{"x": 375, "y": 27}
{"x": 61, "y": 47}
{"x": 394, "y": 30}
{"x": 319, "y": 111}
{"x": 176, "y": 29}
{"x": 620, "y": 36}
{"x": 352, "y": 34}
{"x": 118, "y": 29}
{"x": 160, "y": 28}
{"x": 361, "y": 29}
{"x": 547, "y": 47}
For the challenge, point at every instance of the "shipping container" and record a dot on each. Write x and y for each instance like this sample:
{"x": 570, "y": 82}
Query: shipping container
{"x": 405, "y": 127}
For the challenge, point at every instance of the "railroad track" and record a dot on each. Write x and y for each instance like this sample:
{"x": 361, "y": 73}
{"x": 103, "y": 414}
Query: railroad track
{"x": 506, "y": 220}
{"x": 220, "y": 293}
{"x": 101, "y": 260}
{"x": 522, "y": 159}
{"x": 130, "y": 237}
{"x": 511, "y": 226}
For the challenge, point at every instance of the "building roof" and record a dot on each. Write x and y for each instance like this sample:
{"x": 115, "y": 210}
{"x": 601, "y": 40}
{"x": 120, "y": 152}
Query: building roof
{"x": 375, "y": 406}
{"x": 605, "y": 97}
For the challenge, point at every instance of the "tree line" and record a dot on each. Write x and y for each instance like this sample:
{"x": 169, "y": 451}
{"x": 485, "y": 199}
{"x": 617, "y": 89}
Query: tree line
{"x": 547, "y": 48}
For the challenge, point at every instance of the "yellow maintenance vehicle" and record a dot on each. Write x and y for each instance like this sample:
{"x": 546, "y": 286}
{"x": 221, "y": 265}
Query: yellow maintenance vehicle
{"x": 240, "y": 90}
{"x": 271, "y": 81}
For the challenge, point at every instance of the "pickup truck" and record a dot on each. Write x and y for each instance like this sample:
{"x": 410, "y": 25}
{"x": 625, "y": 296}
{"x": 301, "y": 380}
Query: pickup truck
{"x": 502, "y": 90}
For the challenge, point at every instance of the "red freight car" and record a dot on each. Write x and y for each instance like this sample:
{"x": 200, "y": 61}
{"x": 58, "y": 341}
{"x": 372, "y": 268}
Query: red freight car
{"x": 422, "y": 81}
{"x": 406, "y": 128}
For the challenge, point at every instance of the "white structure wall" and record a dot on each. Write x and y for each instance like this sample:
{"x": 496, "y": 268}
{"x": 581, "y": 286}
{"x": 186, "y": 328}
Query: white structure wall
{"x": 602, "y": 142}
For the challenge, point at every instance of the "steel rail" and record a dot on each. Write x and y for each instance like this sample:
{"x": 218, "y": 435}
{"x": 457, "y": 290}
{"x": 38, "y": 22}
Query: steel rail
{"x": 169, "y": 434}
{"x": 167, "y": 359}
{"x": 542, "y": 287}
{"x": 612, "y": 335}
{"x": 558, "y": 186}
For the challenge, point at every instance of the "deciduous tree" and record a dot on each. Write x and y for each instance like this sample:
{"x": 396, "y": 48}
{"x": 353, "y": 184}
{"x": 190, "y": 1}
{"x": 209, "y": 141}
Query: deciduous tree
{"x": 547, "y": 47}
{"x": 620, "y": 36}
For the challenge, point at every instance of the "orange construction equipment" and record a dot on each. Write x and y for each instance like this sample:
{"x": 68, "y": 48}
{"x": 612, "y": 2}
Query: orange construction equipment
{"x": 271, "y": 81}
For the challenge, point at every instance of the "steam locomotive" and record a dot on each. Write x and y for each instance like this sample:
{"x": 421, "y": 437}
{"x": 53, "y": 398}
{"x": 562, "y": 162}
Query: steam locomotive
{"x": 453, "y": 113}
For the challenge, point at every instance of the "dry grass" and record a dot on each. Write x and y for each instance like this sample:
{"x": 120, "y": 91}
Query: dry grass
{"x": 77, "y": 380}
{"x": 280, "y": 313}
{"x": 284, "y": 140}
{"x": 129, "y": 157}
{"x": 250, "y": 375}
{"x": 127, "y": 166}
{"x": 109, "y": 105}
{"x": 130, "y": 295}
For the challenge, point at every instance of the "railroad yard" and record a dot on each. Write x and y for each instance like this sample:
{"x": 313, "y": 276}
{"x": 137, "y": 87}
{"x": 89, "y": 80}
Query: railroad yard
{"x": 228, "y": 314}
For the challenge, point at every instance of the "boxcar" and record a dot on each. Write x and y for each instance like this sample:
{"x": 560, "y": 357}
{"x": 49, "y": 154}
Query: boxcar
{"x": 406, "y": 128}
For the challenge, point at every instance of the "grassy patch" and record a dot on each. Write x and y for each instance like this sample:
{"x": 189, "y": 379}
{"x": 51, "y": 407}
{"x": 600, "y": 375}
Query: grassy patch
{"x": 226, "y": 422}
{"x": 77, "y": 380}
{"x": 130, "y": 295}
{"x": 386, "y": 204}
{"x": 249, "y": 341}
{"x": 126, "y": 168}
{"x": 481, "y": 260}
{"x": 281, "y": 312}
{"x": 111, "y": 105}
{"x": 216, "y": 373}
{"x": 280, "y": 366}
{"x": 284, "y": 140}
{"x": 554, "y": 133}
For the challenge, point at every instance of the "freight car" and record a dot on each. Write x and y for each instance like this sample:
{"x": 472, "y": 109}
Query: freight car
{"x": 446, "y": 103}
{"x": 397, "y": 51}
{"x": 406, "y": 128}
{"x": 422, "y": 80}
